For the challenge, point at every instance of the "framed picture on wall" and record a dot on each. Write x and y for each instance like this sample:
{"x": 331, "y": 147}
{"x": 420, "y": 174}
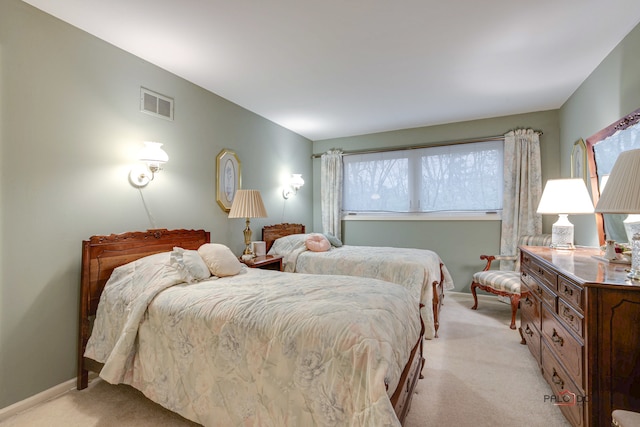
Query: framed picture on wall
{"x": 579, "y": 160}
{"x": 227, "y": 178}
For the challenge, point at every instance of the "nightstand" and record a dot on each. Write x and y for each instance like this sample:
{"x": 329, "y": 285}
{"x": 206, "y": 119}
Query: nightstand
{"x": 267, "y": 262}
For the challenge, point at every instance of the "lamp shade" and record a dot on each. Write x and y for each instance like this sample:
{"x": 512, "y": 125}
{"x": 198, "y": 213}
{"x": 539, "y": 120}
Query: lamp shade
{"x": 153, "y": 153}
{"x": 247, "y": 204}
{"x": 565, "y": 196}
{"x": 296, "y": 181}
{"x": 622, "y": 192}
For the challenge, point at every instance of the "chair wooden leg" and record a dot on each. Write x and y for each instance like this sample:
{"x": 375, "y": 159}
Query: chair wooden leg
{"x": 515, "y": 302}
{"x": 474, "y": 285}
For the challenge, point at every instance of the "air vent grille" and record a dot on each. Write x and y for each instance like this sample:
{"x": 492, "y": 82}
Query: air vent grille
{"x": 156, "y": 104}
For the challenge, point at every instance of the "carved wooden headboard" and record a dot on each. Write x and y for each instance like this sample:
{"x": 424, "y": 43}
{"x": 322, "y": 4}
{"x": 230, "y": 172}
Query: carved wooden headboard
{"x": 272, "y": 232}
{"x": 102, "y": 254}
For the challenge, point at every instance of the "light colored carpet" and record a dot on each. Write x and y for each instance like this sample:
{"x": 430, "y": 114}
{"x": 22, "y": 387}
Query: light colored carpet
{"x": 477, "y": 374}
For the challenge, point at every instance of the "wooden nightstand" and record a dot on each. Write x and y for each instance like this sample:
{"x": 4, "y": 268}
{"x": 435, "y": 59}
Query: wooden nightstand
{"x": 267, "y": 262}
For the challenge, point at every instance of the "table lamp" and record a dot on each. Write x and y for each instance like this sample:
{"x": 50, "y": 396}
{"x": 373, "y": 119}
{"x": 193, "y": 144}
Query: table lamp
{"x": 247, "y": 204}
{"x": 564, "y": 197}
{"x": 622, "y": 196}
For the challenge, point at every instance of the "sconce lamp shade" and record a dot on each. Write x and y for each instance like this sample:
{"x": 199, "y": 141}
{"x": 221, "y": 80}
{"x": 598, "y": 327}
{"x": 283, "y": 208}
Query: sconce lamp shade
{"x": 622, "y": 195}
{"x": 247, "y": 204}
{"x": 622, "y": 192}
{"x": 563, "y": 197}
{"x": 153, "y": 153}
{"x": 296, "y": 181}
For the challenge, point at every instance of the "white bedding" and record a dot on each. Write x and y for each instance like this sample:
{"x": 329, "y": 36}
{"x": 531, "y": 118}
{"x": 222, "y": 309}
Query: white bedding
{"x": 260, "y": 348}
{"x": 415, "y": 269}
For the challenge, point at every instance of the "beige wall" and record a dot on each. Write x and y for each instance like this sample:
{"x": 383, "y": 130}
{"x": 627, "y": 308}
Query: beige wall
{"x": 70, "y": 128}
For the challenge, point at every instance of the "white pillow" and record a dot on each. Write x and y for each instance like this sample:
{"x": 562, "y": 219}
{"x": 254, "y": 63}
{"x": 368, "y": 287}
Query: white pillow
{"x": 191, "y": 264}
{"x": 287, "y": 244}
{"x": 220, "y": 260}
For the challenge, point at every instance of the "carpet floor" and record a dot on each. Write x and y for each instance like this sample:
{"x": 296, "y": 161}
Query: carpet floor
{"x": 477, "y": 374}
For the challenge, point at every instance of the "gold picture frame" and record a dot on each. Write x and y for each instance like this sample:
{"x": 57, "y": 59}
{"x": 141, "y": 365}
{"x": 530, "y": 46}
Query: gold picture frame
{"x": 228, "y": 178}
{"x": 579, "y": 160}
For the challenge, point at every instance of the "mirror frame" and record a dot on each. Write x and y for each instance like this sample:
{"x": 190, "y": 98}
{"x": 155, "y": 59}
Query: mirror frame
{"x": 621, "y": 124}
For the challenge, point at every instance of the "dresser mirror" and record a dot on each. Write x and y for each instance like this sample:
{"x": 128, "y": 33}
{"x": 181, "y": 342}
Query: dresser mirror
{"x": 602, "y": 151}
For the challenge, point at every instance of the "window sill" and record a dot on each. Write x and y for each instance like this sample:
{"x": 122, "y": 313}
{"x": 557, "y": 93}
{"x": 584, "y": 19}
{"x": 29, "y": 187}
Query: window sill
{"x": 439, "y": 216}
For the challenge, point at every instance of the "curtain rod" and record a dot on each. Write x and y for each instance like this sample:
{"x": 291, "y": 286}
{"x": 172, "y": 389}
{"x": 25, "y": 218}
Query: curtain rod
{"x": 416, "y": 147}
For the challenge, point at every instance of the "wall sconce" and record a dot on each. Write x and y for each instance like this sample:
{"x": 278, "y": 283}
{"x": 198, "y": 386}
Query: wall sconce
{"x": 295, "y": 182}
{"x": 153, "y": 156}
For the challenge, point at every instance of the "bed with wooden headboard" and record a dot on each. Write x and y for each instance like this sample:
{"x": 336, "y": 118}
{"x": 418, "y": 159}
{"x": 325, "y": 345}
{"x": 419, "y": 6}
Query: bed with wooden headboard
{"x": 420, "y": 270}
{"x": 102, "y": 254}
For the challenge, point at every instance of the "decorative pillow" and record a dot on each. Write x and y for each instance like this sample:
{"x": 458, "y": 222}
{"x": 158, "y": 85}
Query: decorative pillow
{"x": 287, "y": 244}
{"x": 191, "y": 264}
{"x": 317, "y": 242}
{"x": 333, "y": 240}
{"x": 220, "y": 260}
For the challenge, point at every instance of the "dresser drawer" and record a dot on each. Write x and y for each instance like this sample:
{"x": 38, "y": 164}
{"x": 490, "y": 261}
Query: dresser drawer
{"x": 567, "y": 348}
{"x": 542, "y": 292}
{"x": 571, "y": 317}
{"x": 530, "y": 306}
{"x": 571, "y": 292}
{"x": 569, "y": 398}
{"x": 546, "y": 276}
{"x": 531, "y": 335}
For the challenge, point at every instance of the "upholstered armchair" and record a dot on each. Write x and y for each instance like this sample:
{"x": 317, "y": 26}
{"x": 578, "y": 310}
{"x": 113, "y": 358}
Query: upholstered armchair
{"x": 505, "y": 282}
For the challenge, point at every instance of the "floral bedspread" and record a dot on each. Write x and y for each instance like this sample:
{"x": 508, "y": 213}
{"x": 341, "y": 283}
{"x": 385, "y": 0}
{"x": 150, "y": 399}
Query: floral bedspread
{"x": 262, "y": 348}
{"x": 415, "y": 269}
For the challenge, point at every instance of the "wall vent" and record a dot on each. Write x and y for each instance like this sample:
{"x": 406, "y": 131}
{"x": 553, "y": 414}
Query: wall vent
{"x": 156, "y": 104}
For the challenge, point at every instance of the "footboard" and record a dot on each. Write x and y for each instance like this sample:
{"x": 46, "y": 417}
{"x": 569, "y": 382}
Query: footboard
{"x": 438, "y": 298}
{"x": 401, "y": 398}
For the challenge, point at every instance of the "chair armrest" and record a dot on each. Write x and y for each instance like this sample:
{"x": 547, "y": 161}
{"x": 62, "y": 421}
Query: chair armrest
{"x": 490, "y": 258}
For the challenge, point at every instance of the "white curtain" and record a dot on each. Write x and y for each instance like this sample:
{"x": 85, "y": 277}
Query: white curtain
{"x": 331, "y": 191}
{"x": 522, "y": 190}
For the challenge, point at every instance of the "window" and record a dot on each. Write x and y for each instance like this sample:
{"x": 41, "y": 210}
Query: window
{"x": 460, "y": 177}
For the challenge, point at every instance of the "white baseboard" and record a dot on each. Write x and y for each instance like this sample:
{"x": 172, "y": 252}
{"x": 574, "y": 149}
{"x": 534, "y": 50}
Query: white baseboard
{"x": 30, "y": 402}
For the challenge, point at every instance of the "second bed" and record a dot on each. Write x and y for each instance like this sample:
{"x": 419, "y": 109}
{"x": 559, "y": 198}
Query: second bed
{"x": 421, "y": 271}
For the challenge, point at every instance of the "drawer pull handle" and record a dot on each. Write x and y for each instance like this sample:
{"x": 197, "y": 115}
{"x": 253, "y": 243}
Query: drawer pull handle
{"x": 528, "y": 331}
{"x": 538, "y": 291}
{"x": 568, "y": 291}
{"x": 567, "y": 314}
{"x": 557, "y": 338}
{"x": 556, "y": 379}
{"x": 528, "y": 302}
{"x": 540, "y": 271}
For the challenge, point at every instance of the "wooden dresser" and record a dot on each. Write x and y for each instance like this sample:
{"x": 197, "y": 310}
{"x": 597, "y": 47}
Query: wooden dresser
{"x": 580, "y": 318}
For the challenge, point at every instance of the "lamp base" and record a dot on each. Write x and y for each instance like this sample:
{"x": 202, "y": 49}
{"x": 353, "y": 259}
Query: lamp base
{"x": 562, "y": 233}
{"x": 247, "y": 241}
{"x": 634, "y": 273}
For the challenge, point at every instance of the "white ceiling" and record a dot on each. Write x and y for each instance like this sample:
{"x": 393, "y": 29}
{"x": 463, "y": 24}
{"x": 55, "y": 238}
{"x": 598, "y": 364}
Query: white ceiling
{"x": 332, "y": 68}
